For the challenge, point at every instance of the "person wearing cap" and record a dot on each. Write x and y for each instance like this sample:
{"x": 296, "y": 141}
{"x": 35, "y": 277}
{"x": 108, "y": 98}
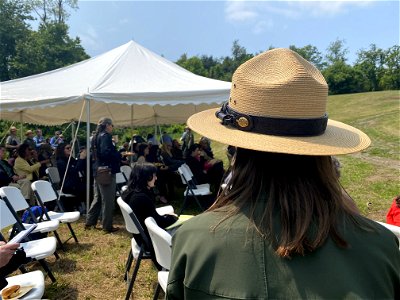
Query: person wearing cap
{"x": 283, "y": 228}
{"x": 12, "y": 141}
{"x": 29, "y": 139}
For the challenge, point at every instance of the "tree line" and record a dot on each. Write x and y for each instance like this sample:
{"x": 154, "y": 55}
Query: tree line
{"x": 375, "y": 69}
{"x": 24, "y": 51}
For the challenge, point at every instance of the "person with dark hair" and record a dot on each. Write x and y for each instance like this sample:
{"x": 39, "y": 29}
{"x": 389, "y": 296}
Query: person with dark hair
{"x": 72, "y": 184}
{"x": 283, "y": 216}
{"x": 142, "y": 153}
{"x": 140, "y": 197}
{"x": 393, "y": 215}
{"x": 105, "y": 156}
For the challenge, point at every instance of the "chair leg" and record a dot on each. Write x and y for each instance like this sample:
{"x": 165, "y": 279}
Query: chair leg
{"x": 157, "y": 292}
{"x": 128, "y": 265}
{"x": 72, "y": 232}
{"x": 59, "y": 240}
{"x": 56, "y": 255}
{"x": 47, "y": 269}
{"x": 135, "y": 271}
{"x": 183, "y": 205}
{"x": 198, "y": 203}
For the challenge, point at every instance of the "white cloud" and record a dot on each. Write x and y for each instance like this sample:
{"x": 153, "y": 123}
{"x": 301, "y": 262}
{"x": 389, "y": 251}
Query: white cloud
{"x": 239, "y": 11}
{"x": 90, "y": 38}
{"x": 262, "y": 26}
{"x": 256, "y": 11}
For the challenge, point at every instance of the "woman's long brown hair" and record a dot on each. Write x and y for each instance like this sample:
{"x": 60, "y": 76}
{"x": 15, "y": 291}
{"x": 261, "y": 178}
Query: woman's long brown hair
{"x": 302, "y": 193}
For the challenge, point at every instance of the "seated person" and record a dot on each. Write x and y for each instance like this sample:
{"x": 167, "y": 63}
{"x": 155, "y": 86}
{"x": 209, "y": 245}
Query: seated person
{"x": 8, "y": 177}
{"x": 393, "y": 215}
{"x": 143, "y": 153}
{"x": 205, "y": 147}
{"x": 73, "y": 183}
{"x": 176, "y": 150}
{"x": 204, "y": 171}
{"x": 123, "y": 150}
{"x": 140, "y": 198}
{"x": 170, "y": 162}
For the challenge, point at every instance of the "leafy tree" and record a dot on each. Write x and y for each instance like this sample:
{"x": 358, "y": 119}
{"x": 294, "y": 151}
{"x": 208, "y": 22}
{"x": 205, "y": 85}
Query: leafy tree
{"x": 342, "y": 78}
{"x": 193, "y": 64}
{"x": 370, "y": 64}
{"x": 13, "y": 17}
{"x": 50, "y": 11}
{"x": 47, "y": 49}
{"x": 336, "y": 52}
{"x": 390, "y": 79}
{"x": 311, "y": 54}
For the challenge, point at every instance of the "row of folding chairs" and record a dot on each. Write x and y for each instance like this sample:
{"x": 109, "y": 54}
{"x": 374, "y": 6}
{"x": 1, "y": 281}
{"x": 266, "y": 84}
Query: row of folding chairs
{"x": 13, "y": 203}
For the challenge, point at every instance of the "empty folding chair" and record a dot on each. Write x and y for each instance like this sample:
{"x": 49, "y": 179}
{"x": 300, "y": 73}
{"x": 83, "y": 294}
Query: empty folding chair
{"x": 34, "y": 279}
{"x": 15, "y": 201}
{"x": 133, "y": 226}
{"x": 126, "y": 170}
{"x": 37, "y": 249}
{"x": 161, "y": 241}
{"x": 44, "y": 192}
{"x": 192, "y": 190}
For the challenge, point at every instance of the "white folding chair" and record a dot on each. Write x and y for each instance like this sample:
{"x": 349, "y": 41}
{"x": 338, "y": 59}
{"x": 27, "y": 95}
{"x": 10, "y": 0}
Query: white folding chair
{"x": 161, "y": 241}
{"x": 36, "y": 249}
{"x": 120, "y": 181}
{"x": 192, "y": 190}
{"x": 44, "y": 192}
{"x": 392, "y": 228}
{"x": 190, "y": 175}
{"x": 133, "y": 226}
{"x": 126, "y": 170}
{"x": 34, "y": 278}
{"x": 15, "y": 201}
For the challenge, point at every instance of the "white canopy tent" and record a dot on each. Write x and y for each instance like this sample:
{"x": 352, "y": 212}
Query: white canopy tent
{"x": 130, "y": 84}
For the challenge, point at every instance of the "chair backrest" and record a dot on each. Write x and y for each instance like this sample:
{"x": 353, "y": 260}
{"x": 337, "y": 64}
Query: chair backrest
{"x": 185, "y": 176}
{"x": 14, "y": 196}
{"x": 6, "y": 217}
{"x": 161, "y": 241}
{"x": 188, "y": 170}
{"x": 44, "y": 191}
{"x": 127, "y": 213}
{"x": 54, "y": 175}
{"x": 120, "y": 178}
{"x": 126, "y": 170}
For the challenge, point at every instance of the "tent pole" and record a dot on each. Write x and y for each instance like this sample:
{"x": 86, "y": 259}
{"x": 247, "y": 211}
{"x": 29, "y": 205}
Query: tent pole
{"x": 88, "y": 158}
{"x": 22, "y": 126}
{"x": 73, "y": 136}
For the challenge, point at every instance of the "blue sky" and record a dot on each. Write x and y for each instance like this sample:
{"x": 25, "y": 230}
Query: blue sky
{"x": 171, "y": 28}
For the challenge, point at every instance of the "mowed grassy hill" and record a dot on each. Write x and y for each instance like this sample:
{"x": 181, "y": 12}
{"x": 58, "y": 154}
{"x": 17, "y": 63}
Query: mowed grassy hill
{"x": 373, "y": 176}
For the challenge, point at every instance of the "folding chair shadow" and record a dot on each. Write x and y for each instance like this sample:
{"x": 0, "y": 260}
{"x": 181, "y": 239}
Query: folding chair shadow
{"x": 44, "y": 192}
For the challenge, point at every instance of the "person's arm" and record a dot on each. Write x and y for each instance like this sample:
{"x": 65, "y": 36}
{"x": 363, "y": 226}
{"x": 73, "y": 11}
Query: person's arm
{"x": 24, "y": 166}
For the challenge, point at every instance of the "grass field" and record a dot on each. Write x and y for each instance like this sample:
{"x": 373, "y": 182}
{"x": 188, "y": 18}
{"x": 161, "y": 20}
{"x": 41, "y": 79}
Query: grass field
{"x": 93, "y": 269}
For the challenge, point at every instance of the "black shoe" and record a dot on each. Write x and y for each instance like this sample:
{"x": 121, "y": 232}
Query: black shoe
{"x": 111, "y": 230}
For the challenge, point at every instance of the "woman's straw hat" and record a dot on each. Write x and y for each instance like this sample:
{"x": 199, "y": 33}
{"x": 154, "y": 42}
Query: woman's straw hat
{"x": 278, "y": 104}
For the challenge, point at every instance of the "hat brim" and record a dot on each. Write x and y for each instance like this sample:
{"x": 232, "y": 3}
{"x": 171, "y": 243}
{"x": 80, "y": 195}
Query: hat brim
{"x": 339, "y": 138}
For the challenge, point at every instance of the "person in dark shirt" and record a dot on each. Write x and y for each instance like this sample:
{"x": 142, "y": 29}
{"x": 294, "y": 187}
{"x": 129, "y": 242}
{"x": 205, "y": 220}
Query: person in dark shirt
{"x": 140, "y": 198}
